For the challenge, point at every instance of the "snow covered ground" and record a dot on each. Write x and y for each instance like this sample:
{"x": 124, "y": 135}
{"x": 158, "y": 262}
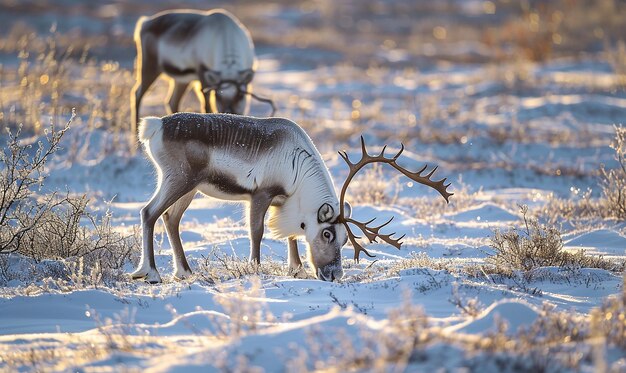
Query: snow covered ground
{"x": 502, "y": 140}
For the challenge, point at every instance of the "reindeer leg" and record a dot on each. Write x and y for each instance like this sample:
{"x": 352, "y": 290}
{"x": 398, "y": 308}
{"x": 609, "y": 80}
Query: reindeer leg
{"x": 177, "y": 90}
{"x": 242, "y": 106}
{"x": 205, "y": 99}
{"x": 147, "y": 266}
{"x": 163, "y": 198}
{"x": 171, "y": 218}
{"x": 259, "y": 204}
{"x": 147, "y": 72}
{"x": 293, "y": 257}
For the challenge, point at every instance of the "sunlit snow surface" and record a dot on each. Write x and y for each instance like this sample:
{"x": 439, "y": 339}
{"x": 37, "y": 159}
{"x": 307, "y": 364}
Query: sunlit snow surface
{"x": 175, "y": 326}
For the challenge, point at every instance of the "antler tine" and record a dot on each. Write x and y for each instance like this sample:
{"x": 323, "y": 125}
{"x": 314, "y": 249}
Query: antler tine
{"x": 344, "y": 155}
{"x": 367, "y": 231}
{"x": 372, "y": 233}
{"x": 376, "y": 229}
{"x": 426, "y": 179}
{"x": 395, "y": 242}
{"x": 369, "y": 221}
{"x": 382, "y": 152}
{"x": 432, "y": 172}
{"x": 363, "y": 150}
{"x": 398, "y": 153}
{"x": 358, "y": 248}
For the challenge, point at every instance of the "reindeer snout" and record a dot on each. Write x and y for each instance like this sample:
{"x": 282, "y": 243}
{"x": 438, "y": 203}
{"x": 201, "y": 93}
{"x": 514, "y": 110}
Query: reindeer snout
{"x": 331, "y": 272}
{"x": 227, "y": 91}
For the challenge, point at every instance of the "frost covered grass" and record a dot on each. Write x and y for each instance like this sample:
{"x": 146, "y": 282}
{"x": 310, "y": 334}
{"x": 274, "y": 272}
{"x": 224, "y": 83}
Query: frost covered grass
{"x": 219, "y": 267}
{"x": 612, "y": 202}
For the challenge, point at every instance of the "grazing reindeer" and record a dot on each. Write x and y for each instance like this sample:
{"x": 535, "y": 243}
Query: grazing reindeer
{"x": 270, "y": 163}
{"x": 211, "y": 47}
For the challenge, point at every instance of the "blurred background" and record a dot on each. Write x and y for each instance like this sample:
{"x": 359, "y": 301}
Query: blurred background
{"x": 41, "y": 40}
{"x": 431, "y": 73}
{"x": 363, "y": 32}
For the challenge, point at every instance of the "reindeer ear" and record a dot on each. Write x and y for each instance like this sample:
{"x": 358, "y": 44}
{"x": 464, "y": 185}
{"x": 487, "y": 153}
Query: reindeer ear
{"x": 246, "y": 76}
{"x": 347, "y": 210}
{"x": 325, "y": 213}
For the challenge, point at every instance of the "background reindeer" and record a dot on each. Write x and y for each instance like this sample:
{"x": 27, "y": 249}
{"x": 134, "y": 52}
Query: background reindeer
{"x": 212, "y": 47}
{"x": 270, "y": 163}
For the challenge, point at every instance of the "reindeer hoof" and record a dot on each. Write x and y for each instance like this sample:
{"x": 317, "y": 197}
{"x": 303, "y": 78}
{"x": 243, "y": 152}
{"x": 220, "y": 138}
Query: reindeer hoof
{"x": 298, "y": 272}
{"x": 182, "y": 274}
{"x": 151, "y": 276}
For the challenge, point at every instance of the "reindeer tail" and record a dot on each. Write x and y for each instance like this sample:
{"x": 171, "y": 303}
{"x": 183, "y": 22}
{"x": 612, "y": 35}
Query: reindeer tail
{"x": 149, "y": 127}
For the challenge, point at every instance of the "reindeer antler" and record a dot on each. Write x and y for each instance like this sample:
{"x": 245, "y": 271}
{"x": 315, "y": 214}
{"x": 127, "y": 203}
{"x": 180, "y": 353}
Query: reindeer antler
{"x": 372, "y": 233}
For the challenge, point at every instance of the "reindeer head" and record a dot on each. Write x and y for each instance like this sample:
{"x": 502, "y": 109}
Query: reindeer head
{"x": 325, "y": 237}
{"x": 231, "y": 91}
{"x": 372, "y": 233}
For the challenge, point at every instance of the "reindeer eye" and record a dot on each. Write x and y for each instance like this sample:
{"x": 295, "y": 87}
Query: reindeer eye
{"x": 328, "y": 235}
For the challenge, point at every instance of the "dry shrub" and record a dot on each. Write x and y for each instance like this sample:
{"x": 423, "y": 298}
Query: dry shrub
{"x": 604, "y": 327}
{"x": 53, "y": 226}
{"x": 23, "y": 172}
{"x": 614, "y": 180}
{"x": 537, "y": 245}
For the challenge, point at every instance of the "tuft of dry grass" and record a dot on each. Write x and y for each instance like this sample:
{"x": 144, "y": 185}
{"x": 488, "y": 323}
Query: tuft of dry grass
{"x": 219, "y": 267}
{"x": 418, "y": 260}
{"x": 536, "y": 245}
{"x": 612, "y": 202}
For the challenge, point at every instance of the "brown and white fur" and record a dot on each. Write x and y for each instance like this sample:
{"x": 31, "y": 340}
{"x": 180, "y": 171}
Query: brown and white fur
{"x": 211, "y": 47}
{"x": 269, "y": 163}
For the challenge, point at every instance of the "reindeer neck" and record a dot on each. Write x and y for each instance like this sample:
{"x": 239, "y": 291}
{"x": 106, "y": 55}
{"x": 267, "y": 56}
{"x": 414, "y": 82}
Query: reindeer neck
{"x": 313, "y": 186}
{"x": 310, "y": 186}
